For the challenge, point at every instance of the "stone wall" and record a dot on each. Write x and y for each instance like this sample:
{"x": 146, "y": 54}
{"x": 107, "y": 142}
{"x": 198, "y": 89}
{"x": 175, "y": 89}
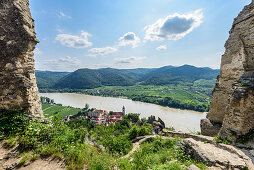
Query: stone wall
{"x": 18, "y": 88}
{"x": 237, "y": 61}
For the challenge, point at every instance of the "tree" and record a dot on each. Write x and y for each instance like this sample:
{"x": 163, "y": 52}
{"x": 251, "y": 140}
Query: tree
{"x": 86, "y": 106}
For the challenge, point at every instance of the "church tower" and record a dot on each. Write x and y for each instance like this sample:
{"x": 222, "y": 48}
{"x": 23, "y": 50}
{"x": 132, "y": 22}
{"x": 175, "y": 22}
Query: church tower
{"x": 123, "y": 110}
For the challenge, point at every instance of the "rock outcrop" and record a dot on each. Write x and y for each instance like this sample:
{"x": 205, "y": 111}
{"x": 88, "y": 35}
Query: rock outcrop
{"x": 232, "y": 106}
{"x": 18, "y": 88}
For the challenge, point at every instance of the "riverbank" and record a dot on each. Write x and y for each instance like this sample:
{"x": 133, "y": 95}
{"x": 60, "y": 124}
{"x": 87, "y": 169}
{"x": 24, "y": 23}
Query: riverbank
{"x": 181, "y": 120}
{"x": 182, "y": 96}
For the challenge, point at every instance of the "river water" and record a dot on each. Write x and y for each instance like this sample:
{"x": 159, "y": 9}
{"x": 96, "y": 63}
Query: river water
{"x": 181, "y": 120}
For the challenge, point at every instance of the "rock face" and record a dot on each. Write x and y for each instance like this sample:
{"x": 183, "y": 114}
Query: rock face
{"x": 214, "y": 156}
{"x": 232, "y": 103}
{"x": 18, "y": 88}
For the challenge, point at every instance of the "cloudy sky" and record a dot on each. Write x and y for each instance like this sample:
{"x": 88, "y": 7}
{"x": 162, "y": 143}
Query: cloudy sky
{"x": 131, "y": 33}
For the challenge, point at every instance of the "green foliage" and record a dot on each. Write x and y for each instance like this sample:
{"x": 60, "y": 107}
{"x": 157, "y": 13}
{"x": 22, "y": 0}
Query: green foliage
{"x": 24, "y": 159}
{"x": 117, "y": 144}
{"x": 89, "y": 78}
{"x": 46, "y": 100}
{"x": 93, "y": 78}
{"x": 12, "y": 122}
{"x": 183, "y": 95}
{"x": 133, "y": 117}
{"x": 133, "y": 132}
{"x": 50, "y": 110}
{"x": 11, "y": 142}
{"x": 142, "y": 131}
{"x": 34, "y": 157}
{"x": 158, "y": 154}
{"x": 70, "y": 141}
{"x": 222, "y": 140}
{"x": 46, "y": 79}
{"x": 173, "y": 75}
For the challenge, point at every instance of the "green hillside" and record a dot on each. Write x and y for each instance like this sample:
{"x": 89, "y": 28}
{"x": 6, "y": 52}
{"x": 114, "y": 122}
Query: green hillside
{"x": 175, "y": 75}
{"x": 89, "y": 78}
{"x": 94, "y": 78}
{"x": 46, "y": 79}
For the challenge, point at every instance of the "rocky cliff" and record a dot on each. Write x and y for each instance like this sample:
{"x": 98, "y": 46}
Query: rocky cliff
{"x": 18, "y": 88}
{"x": 232, "y": 107}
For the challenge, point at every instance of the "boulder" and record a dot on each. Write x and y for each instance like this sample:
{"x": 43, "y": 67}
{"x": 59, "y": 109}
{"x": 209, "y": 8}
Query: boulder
{"x": 214, "y": 156}
{"x": 193, "y": 167}
{"x": 209, "y": 128}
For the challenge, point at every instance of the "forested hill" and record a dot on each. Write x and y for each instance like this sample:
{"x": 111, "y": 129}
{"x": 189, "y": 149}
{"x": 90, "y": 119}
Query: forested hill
{"x": 173, "y": 75}
{"x": 47, "y": 79}
{"x": 92, "y": 78}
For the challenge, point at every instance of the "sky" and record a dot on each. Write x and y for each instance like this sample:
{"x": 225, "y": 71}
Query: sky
{"x": 77, "y": 34}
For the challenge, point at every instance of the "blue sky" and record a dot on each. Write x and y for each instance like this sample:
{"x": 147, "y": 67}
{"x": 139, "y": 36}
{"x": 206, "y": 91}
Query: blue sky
{"x": 131, "y": 33}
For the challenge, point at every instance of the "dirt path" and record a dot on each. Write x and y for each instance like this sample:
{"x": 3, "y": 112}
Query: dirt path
{"x": 139, "y": 141}
{"x": 9, "y": 159}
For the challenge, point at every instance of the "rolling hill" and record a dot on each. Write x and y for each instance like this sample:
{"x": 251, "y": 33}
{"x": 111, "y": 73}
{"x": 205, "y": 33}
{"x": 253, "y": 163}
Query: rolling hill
{"x": 185, "y": 73}
{"x": 46, "y": 79}
{"x": 93, "y": 78}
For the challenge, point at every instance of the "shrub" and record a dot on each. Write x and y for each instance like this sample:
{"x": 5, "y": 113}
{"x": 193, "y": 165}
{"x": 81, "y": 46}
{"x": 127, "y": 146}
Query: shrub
{"x": 12, "y": 122}
{"x": 133, "y": 132}
{"x": 11, "y": 142}
{"x": 118, "y": 145}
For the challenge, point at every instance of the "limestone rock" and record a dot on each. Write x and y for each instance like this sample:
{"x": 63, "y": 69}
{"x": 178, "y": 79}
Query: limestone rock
{"x": 213, "y": 156}
{"x": 193, "y": 167}
{"x": 209, "y": 128}
{"x": 231, "y": 104}
{"x": 18, "y": 88}
{"x": 239, "y": 119}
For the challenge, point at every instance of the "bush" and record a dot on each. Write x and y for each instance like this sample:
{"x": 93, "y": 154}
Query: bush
{"x": 133, "y": 132}
{"x": 12, "y": 122}
{"x": 118, "y": 145}
{"x": 159, "y": 154}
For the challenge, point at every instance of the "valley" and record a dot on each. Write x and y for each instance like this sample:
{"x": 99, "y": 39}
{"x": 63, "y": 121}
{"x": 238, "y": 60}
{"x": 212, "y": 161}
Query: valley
{"x": 184, "y": 87}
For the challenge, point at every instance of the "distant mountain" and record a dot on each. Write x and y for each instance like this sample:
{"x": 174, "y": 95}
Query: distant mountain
{"x": 185, "y": 73}
{"x": 46, "y": 79}
{"x": 92, "y": 78}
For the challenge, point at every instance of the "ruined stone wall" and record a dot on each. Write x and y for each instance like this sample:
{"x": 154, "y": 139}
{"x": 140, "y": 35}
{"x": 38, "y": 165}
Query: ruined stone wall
{"x": 237, "y": 61}
{"x": 18, "y": 88}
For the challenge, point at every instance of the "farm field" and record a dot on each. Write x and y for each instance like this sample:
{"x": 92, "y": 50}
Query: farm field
{"x": 50, "y": 110}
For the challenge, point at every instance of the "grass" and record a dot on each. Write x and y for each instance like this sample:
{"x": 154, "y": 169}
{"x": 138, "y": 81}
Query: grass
{"x": 159, "y": 154}
{"x": 34, "y": 157}
{"x": 24, "y": 159}
{"x": 10, "y": 143}
{"x": 222, "y": 140}
{"x": 69, "y": 142}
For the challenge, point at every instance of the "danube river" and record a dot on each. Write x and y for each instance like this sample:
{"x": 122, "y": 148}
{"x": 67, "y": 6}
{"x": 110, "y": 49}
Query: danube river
{"x": 181, "y": 120}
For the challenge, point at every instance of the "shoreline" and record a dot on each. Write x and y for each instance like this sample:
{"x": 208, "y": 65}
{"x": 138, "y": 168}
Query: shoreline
{"x": 124, "y": 97}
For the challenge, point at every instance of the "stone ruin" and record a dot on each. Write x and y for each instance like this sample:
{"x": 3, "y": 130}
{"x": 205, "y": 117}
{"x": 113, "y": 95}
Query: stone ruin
{"x": 18, "y": 88}
{"x": 232, "y": 107}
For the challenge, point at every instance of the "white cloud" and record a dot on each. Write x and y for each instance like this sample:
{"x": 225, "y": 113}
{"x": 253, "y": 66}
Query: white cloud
{"x": 130, "y": 38}
{"x": 129, "y": 60}
{"x": 74, "y": 41}
{"x": 37, "y": 51}
{"x": 173, "y": 27}
{"x": 62, "y": 64}
{"x": 162, "y": 47}
{"x": 102, "y": 51}
{"x": 63, "y": 15}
